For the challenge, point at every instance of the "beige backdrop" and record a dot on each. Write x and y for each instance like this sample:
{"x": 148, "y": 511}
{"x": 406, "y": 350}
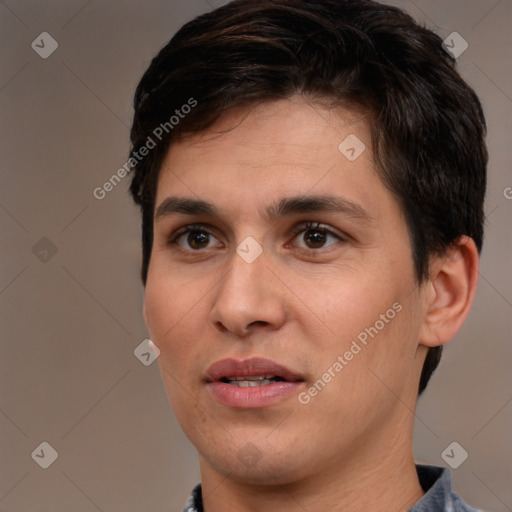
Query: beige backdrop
{"x": 70, "y": 294}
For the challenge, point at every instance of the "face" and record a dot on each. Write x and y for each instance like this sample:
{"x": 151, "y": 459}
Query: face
{"x": 282, "y": 296}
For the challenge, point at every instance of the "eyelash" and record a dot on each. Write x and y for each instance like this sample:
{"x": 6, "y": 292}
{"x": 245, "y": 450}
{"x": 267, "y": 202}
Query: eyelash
{"x": 308, "y": 226}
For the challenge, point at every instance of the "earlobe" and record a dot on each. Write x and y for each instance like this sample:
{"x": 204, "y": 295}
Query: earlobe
{"x": 451, "y": 291}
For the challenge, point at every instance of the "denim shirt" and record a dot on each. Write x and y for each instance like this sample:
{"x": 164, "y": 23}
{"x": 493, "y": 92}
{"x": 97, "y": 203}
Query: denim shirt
{"x": 436, "y": 483}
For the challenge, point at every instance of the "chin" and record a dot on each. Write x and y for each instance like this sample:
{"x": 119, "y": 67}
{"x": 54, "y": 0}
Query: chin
{"x": 269, "y": 473}
{"x": 259, "y": 464}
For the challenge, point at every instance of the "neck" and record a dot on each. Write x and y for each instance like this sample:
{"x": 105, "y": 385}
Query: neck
{"x": 369, "y": 478}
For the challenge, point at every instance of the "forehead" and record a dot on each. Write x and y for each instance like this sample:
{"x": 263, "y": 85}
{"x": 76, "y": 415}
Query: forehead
{"x": 251, "y": 158}
{"x": 292, "y": 130}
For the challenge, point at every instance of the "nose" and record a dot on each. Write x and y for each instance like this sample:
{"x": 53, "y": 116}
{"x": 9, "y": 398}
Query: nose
{"x": 250, "y": 298}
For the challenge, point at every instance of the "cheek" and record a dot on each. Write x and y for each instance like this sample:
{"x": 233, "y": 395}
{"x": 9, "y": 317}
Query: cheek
{"x": 159, "y": 311}
{"x": 373, "y": 318}
{"x": 168, "y": 298}
{"x": 350, "y": 304}
{"x": 172, "y": 320}
{"x": 386, "y": 362}
{"x": 177, "y": 313}
{"x": 168, "y": 309}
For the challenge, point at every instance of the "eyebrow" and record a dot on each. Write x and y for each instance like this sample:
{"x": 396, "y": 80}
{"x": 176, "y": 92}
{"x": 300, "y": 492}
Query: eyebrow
{"x": 284, "y": 207}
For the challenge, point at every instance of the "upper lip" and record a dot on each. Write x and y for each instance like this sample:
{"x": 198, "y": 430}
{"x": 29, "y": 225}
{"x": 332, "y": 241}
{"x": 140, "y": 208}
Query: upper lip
{"x": 249, "y": 368}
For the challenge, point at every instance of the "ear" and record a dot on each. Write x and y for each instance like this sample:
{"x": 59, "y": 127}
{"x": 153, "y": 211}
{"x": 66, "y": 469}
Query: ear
{"x": 449, "y": 292}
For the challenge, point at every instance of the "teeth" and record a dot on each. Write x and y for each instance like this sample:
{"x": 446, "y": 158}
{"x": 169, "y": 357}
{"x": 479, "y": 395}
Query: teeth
{"x": 249, "y": 383}
{"x": 252, "y": 378}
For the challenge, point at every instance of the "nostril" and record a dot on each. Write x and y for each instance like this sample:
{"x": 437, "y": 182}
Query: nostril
{"x": 259, "y": 322}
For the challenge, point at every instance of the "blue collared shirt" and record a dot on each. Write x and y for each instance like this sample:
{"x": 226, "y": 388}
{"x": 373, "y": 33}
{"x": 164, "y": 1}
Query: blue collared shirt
{"x": 436, "y": 483}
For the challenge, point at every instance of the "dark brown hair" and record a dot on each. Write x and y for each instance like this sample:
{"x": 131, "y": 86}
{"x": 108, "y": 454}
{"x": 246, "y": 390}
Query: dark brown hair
{"x": 428, "y": 128}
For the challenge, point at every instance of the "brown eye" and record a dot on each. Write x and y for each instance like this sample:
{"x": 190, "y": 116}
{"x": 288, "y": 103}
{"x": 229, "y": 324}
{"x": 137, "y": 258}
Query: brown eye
{"x": 316, "y": 236}
{"x": 194, "y": 238}
{"x": 198, "y": 239}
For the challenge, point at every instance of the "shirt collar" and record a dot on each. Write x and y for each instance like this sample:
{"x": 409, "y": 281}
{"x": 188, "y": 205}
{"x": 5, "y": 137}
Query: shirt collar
{"x": 439, "y": 496}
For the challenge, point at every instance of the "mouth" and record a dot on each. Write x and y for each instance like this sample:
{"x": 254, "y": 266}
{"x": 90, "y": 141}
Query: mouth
{"x": 251, "y": 383}
{"x": 254, "y": 371}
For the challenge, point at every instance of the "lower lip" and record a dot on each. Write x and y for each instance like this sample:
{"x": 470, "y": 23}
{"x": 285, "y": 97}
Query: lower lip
{"x": 252, "y": 397}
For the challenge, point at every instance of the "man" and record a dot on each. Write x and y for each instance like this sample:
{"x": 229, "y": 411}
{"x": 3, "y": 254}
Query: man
{"x": 311, "y": 175}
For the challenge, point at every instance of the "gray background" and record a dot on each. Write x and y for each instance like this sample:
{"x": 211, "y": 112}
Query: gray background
{"x": 70, "y": 324}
